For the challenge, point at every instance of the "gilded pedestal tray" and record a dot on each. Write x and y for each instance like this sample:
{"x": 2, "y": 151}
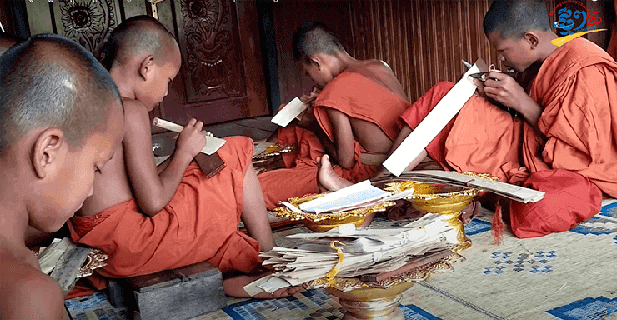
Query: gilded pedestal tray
{"x": 442, "y": 199}
{"x": 378, "y": 300}
{"x": 322, "y": 222}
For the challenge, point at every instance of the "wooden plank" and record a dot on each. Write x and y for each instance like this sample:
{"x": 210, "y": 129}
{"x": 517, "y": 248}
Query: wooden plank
{"x": 166, "y": 16}
{"x": 134, "y": 8}
{"x": 248, "y": 29}
{"x": 183, "y": 300}
{"x": 39, "y": 17}
{"x": 180, "y": 293}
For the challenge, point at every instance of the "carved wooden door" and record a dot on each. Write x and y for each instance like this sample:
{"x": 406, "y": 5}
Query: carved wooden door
{"x": 223, "y": 70}
{"x": 221, "y": 78}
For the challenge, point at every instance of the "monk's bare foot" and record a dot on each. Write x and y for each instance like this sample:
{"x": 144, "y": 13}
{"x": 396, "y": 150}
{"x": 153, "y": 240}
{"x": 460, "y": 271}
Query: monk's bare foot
{"x": 327, "y": 179}
{"x": 368, "y": 220}
{"x": 469, "y": 212}
{"x": 234, "y": 287}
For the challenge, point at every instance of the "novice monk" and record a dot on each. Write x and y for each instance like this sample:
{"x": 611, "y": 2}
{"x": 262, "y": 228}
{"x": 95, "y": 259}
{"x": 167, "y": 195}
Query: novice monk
{"x": 33, "y": 236}
{"x": 60, "y": 122}
{"x": 149, "y": 219}
{"x": 563, "y": 141}
{"x": 357, "y": 114}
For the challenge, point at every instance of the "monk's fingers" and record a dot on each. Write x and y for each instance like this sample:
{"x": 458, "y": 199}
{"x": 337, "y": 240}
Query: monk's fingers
{"x": 199, "y": 126}
{"x": 492, "y": 91}
{"x": 478, "y": 83}
{"x": 192, "y": 122}
{"x": 497, "y": 75}
{"x": 493, "y": 83}
{"x": 284, "y": 292}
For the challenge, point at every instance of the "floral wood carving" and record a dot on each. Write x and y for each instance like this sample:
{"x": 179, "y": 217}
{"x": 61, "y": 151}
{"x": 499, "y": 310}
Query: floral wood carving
{"x": 210, "y": 51}
{"x": 87, "y": 21}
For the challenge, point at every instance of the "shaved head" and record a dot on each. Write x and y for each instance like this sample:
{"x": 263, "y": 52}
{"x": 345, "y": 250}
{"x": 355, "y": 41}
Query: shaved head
{"x": 8, "y": 40}
{"x": 51, "y": 81}
{"x": 314, "y": 38}
{"x": 513, "y": 18}
{"x": 141, "y": 35}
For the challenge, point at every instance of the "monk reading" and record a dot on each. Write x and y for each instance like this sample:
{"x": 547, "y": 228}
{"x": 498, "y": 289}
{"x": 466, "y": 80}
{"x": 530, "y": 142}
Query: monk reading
{"x": 148, "y": 218}
{"x": 60, "y": 122}
{"x": 33, "y": 236}
{"x": 356, "y": 117}
{"x": 562, "y": 139}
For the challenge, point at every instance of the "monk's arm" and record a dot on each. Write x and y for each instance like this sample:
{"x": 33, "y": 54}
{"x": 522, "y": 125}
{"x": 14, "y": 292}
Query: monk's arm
{"x": 152, "y": 190}
{"x": 163, "y": 165}
{"x": 343, "y": 137}
{"x": 530, "y": 110}
{"x": 405, "y": 132}
{"x": 35, "y": 298}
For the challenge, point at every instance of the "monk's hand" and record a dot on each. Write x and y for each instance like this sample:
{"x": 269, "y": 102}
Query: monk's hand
{"x": 504, "y": 89}
{"x": 192, "y": 139}
{"x": 480, "y": 85}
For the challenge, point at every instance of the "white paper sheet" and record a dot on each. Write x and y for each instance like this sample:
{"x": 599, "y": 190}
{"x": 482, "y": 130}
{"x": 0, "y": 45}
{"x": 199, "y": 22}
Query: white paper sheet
{"x": 289, "y": 112}
{"x": 434, "y": 122}
{"x": 212, "y": 145}
{"x": 355, "y": 194}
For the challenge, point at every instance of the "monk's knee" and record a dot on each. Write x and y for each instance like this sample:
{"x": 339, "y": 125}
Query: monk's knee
{"x": 569, "y": 199}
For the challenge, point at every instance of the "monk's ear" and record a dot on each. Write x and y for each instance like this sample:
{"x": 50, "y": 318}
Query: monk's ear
{"x": 146, "y": 67}
{"x": 316, "y": 61}
{"x": 48, "y": 151}
{"x": 532, "y": 39}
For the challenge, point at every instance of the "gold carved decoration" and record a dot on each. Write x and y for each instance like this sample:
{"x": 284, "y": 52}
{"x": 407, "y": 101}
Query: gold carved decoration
{"x": 96, "y": 259}
{"x": 428, "y": 198}
{"x": 325, "y": 221}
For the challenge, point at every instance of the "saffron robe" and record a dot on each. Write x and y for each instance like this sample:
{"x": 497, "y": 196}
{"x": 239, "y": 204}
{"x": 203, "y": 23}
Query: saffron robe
{"x": 573, "y": 157}
{"x": 200, "y": 223}
{"x": 358, "y": 97}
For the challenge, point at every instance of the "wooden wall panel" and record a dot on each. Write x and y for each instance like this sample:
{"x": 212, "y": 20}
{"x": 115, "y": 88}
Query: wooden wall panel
{"x": 423, "y": 41}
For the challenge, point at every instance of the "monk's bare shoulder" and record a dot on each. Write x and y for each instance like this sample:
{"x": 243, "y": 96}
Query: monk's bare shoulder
{"x": 28, "y": 293}
{"x": 381, "y": 73}
{"x": 377, "y": 65}
{"x": 135, "y": 114}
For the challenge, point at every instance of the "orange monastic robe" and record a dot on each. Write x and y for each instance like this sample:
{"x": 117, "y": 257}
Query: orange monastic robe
{"x": 200, "y": 223}
{"x": 358, "y": 97}
{"x": 573, "y": 159}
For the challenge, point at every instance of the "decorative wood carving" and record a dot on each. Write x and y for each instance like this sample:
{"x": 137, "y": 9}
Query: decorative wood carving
{"x": 210, "y": 48}
{"x": 86, "y": 21}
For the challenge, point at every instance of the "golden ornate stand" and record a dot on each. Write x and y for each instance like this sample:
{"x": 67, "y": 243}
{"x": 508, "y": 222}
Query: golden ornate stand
{"x": 381, "y": 301}
{"x": 372, "y": 303}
